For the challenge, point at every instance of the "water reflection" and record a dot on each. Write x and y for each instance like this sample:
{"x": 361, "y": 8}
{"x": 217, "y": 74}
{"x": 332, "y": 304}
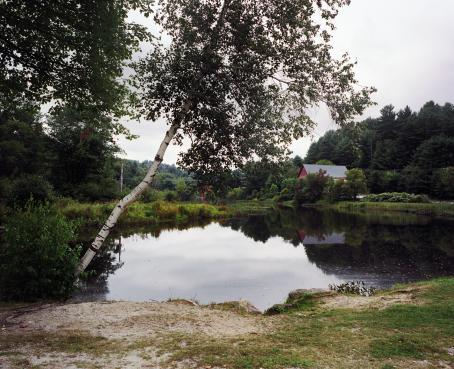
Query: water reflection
{"x": 262, "y": 258}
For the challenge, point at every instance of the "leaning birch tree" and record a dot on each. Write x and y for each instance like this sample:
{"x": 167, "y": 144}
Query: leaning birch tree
{"x": 237, "y": 80}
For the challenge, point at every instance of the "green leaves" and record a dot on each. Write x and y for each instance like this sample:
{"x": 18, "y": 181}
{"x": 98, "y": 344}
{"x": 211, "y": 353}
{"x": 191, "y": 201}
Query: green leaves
{"x": 248, "y": 70}
{"x": 68, "y": 51}
{"x": 36, "y": 260}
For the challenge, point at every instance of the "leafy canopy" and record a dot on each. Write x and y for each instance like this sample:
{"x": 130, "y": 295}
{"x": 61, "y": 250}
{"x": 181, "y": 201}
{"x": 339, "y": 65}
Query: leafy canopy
{"x": 71, "y": 51}
{"x": 238, "y": 76}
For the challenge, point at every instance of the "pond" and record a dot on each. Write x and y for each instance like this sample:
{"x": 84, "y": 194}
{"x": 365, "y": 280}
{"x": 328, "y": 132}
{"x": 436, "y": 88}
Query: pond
{"x": 262, "y": 258}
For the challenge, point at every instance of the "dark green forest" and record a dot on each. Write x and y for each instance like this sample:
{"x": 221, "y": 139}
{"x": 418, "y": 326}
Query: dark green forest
{"x": 400, "y": 150}
{"x": 66, "y": 154}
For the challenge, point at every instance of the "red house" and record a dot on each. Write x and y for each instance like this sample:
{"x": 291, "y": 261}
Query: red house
{"x": 333, "y": 171}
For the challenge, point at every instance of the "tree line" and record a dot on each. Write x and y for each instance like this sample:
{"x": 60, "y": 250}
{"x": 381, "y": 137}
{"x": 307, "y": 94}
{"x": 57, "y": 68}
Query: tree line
{"x": 66, "y": 154}
{"x": 399, "y": 151}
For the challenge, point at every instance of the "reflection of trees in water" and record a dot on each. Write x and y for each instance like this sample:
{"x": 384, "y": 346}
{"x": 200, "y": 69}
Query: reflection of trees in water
{"x": 105, "y": 263}
{"x": 108, "y": 259}
{"x": 372, "y": 242}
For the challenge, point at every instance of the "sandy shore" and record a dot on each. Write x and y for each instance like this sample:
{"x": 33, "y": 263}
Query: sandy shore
{"x": 130, "y": 335}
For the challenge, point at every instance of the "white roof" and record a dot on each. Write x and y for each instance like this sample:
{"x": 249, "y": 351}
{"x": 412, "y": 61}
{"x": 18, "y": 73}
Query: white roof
{"x": 335, "y": 171}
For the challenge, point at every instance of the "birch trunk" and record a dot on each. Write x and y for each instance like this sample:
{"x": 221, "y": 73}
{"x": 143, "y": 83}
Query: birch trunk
{"x": 121, "y": 206}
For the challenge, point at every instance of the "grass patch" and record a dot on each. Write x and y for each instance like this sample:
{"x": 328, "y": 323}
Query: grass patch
{"x": 429, "y": 209}
{"x": 70, "y": 342}
{"x": 240, "y": 353}
{"x": 297, "y": 302}
{"x": 397, "y": 346}
{"x": 159, "y": 211}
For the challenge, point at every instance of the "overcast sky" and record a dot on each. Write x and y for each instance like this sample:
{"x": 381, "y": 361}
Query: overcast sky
{"x": 404, "y": 48}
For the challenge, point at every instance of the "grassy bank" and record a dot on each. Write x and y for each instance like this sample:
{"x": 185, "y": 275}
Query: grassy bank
{"x": 374, "y": 336}
{"x": 408, "y": 326}
{"x": 438, "y": 209}
{"x": 159, "y": 211}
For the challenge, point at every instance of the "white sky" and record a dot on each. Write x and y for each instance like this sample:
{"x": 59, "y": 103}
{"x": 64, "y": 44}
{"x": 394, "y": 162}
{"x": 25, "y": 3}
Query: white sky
{"x": 404, "y": 48}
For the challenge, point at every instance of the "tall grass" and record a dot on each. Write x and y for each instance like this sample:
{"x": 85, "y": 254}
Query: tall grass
{"x": 157, "y": 212}
{"x": 430, "y": 209}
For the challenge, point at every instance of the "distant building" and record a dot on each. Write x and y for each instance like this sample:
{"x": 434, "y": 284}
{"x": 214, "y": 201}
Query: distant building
{"x": 333, "y": 171}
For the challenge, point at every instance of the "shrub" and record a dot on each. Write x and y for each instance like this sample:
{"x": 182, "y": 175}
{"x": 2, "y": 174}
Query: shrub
{"x": 273, "y": 190}
{"x": 396, "y": 197}
{"x": 36, "y": 260}
{"x": 164, "y": 210}
{"x": 338, "y": 191}
{"x": 170, "y": 196}
{"x": 324, "y": 162}
{"x": 285, "y": 195}
{"x": 311, "y": 188}
{"x": 26, "y": 187}
{"x": 443, "y": 183}
{"x": 379, "y": 181}
{"x": 236, "y": 193}
{"x": 356, "y": 181}
{"x": 151, "y": 195}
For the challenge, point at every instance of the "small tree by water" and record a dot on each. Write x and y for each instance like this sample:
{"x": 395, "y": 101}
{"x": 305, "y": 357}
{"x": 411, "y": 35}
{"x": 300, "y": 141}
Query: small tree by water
{"x": 36, "y": 260}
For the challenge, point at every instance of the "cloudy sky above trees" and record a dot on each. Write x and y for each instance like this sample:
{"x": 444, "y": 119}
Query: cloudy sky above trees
{"x": 403, "y": 48}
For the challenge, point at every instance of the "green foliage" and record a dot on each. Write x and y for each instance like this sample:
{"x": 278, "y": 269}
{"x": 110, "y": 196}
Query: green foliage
{"x": 83, "y": 148}
{"x": 36, "y": 260}
{"x": 295, "y": 302}
{"x": 236, "y": 194}
{"x": 151, "y": 195}
{"x": 170, "y": 196}
{"x": 400, "y": 151}
{"x": 26, "y": 187}
{"x": 384, "y": 181}
{"x": 185, "y": 190}
{"x": 324, "y": 162}
{"x": 311, "y": 188}
{"x": 356, "y": 182}
{"x": 220, "y": 78}
{"x": 335, "y": 147}
{"x": 397, "y": 346}
{"x": 297, "y": 161}
{"x": 402, "y": 197}
{"x": 75, "y": 51}
{"x": 338, "y": 191}
{"x": 443, "y": 183}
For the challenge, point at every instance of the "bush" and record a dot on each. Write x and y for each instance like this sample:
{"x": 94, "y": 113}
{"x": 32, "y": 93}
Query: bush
{"x": 379, "y": 181}
{"x": 94, "y": 189}
{"x": 26, "y": 187}
{"x": 36, "y": 260}
{"x": 151, "y": 195}
{"x": 356, "y": 181}
{"x": 443, "y": 183}
{"x": 236, "y": 193}
{"x": 311, "y": 188}
{"x": 396, "y": 197}
{"x": 170, "y": 196}
{"x": 164, "y": 210}
{"x": 338, "y": 191}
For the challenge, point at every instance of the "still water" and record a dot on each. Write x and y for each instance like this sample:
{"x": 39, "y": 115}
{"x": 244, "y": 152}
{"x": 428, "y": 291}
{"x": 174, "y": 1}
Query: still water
{"x": 262, "y": 258}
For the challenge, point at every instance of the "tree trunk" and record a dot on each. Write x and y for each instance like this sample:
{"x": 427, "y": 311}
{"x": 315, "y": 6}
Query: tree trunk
{"x": 121, "y": 206}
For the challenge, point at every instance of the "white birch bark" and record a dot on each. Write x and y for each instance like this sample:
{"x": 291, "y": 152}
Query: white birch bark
{"x": 130, "y": 198}
{"x": 121, "y": 206}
